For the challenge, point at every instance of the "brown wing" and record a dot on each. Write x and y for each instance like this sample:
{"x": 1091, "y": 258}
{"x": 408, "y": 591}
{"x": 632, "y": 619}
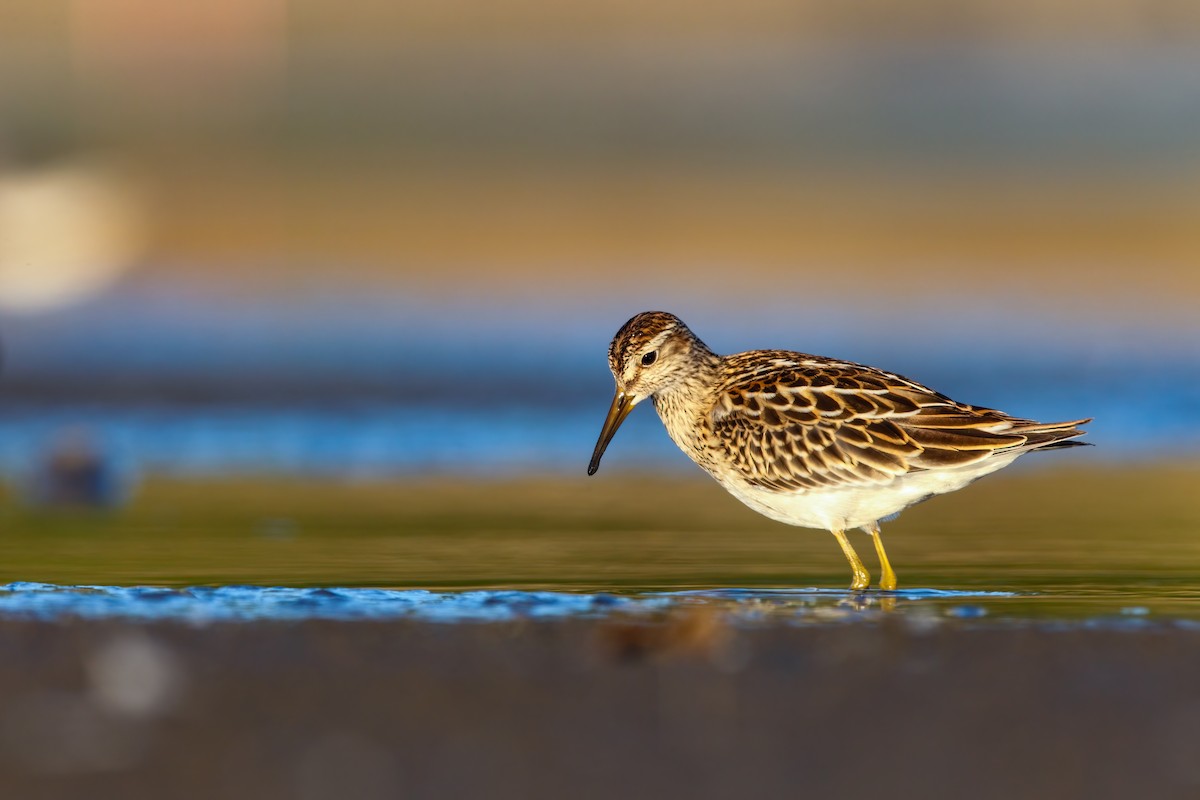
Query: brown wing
{"x": 792, "y": 421}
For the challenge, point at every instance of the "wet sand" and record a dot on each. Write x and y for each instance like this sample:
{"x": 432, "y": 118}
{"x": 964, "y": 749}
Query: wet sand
{"x": 683, "y": 707}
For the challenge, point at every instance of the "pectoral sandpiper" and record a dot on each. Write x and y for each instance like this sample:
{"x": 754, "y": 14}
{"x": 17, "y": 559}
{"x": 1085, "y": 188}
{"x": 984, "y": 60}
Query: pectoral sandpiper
{"x": 812, "y": 441}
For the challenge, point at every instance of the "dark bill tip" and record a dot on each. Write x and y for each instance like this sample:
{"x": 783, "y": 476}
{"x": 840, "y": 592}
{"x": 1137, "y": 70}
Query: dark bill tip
{"x": 622, "y": 404}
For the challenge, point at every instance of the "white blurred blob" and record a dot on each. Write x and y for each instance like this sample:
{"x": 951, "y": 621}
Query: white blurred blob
{"x": 135, "y": 676}
{"x": 343, "y": 764}
{"x": 66, "y": 232}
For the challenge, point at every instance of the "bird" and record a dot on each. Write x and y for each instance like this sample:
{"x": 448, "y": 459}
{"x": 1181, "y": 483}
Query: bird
{"x": 812, "y": 441}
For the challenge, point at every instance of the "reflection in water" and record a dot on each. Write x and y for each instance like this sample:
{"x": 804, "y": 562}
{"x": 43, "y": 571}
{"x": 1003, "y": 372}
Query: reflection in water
{"x": 694, "y": 616}
{"x": 1074, "y": 541}
{"x": 244, "y": 603}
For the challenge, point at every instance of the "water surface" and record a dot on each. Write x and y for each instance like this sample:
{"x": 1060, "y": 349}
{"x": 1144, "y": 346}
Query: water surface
{"x": 798, "y": 606}
{"x": 1099, "y": 543}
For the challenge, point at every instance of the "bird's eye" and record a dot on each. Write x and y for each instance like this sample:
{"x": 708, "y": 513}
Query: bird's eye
{"x": 649, "y": 358}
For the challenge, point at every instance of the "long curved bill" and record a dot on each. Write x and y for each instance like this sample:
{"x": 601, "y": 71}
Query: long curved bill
{"x": 622, "y": 404}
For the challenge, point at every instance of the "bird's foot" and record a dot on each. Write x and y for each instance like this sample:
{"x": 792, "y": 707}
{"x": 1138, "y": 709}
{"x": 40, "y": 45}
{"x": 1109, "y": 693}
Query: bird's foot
{"x": 861, "y": 582}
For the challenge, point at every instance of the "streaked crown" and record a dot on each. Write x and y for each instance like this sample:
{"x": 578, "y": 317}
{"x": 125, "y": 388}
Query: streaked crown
{"x": 653, "y": 351}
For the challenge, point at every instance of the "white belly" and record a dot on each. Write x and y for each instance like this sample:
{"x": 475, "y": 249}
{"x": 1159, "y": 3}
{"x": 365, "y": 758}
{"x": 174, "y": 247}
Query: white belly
{"x": 857, "y": 506}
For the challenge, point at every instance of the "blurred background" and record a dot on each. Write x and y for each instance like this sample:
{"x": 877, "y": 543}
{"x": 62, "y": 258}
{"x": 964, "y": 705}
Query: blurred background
{"x": 378, "y": 239}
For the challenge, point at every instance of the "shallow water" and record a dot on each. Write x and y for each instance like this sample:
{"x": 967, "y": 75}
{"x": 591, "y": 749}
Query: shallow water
{"x": 806, "y": 606}
{"x": 1095, "y": 545}
{"x": 203, "y": 604}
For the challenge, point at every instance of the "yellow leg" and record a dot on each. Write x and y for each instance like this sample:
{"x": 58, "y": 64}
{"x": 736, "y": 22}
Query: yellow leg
{"x": 888, "y": 579}
{"x": 862, "y": 578}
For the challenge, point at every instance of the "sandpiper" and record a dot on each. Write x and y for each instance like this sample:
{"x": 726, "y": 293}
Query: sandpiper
{"x": 812, "y": 441}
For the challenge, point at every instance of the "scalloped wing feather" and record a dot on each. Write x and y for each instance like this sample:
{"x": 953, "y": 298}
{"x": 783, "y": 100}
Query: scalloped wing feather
{"x": 791, "y": 421}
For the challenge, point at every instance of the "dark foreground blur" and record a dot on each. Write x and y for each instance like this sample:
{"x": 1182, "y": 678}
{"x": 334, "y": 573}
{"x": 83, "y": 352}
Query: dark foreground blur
{"x": 687, "y": 708}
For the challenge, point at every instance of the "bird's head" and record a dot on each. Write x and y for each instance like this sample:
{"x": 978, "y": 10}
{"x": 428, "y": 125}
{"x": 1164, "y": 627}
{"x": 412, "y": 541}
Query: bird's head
{"x": 651, "y": 353}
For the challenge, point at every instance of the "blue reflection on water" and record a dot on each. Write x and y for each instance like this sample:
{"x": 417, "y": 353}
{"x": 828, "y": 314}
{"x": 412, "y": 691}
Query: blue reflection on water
{"x": 374, "y": 386}
{"x": 245, "y": 603}
{"x": 793, "y": 606}
{"x": 203, "y": 604}
{"x": 820, "y": 593}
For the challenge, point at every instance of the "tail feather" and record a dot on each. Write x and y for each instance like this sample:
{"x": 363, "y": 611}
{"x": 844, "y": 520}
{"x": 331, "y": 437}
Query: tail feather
{"x": 1060, "y": 445}
{"x": 1052, "y": 435}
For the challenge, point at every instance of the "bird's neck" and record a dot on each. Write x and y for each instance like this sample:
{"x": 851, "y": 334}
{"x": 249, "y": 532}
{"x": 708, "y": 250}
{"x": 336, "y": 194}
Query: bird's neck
{"x": 689, "y": 397}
